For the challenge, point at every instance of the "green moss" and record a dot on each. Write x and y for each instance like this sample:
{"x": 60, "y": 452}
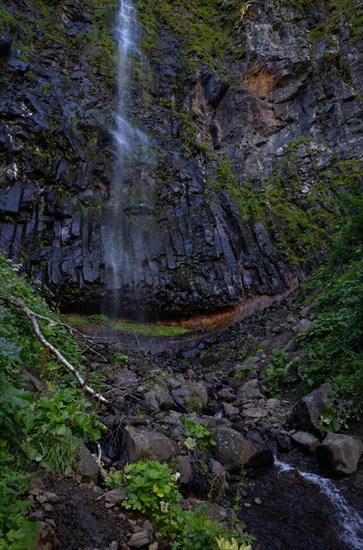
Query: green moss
{"x": 204, "y": 27}
{"x": 188, "y": 133}
{"x": 143, "y": 329}
{"x": 338, "y": 12}
{"x": 302, "y": 216}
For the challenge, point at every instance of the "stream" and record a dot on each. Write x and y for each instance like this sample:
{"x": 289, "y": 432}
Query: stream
{"x": 301, "y": 510}
{"x": 349, "y": 520}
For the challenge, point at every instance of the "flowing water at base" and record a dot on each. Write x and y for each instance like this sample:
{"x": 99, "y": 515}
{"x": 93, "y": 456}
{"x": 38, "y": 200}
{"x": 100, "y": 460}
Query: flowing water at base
{"x": 351, "y": 522}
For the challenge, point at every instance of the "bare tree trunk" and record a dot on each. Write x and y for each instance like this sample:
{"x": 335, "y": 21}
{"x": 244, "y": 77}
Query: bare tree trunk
{"x": 32, "y": 316}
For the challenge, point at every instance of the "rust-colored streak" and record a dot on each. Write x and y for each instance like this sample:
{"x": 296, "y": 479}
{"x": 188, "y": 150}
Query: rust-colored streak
{"x": 260, "y": 82}
{"x": 220, "y": 321}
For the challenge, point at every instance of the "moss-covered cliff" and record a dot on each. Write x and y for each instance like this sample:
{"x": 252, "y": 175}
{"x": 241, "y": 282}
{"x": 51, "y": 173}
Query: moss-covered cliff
{"x": 254, "y": 114}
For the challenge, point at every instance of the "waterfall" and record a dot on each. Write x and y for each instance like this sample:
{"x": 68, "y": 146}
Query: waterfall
{"x": 350, "y": 520}
{"x": 131, "y": 149}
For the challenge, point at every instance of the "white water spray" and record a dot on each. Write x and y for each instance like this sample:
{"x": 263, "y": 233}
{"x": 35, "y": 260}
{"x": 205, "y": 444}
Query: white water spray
{"x": 131, "y": 145}
{"x": 351, "y": 521}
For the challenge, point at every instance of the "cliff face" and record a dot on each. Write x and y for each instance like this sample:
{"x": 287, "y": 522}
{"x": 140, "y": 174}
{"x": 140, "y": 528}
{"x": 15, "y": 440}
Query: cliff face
{"x": 254, "y": 117}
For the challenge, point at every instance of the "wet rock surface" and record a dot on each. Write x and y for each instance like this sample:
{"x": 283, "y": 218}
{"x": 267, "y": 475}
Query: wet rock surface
{"x": 188, "y": 250}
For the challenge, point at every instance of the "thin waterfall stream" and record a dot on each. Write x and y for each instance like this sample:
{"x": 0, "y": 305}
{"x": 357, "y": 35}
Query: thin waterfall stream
{"x": 130, "y": 148}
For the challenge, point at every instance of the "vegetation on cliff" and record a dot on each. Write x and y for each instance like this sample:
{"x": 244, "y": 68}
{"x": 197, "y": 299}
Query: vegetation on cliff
{"x": 43, "y": 426}
{"x": 334, "y": 341}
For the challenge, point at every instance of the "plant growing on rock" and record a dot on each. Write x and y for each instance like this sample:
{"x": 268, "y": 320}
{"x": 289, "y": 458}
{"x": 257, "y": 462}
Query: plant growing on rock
{"x": 151, "y": 488}
{"x": 333, "y": 341}
{"x": 277, "y": 371}
{"x": 197, "y": 433}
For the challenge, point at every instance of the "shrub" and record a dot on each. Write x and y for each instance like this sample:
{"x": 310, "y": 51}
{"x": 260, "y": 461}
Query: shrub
{"x": 334, "y": 341}
{"x": 152, "y": 489}
{"x": 277, "y": 371}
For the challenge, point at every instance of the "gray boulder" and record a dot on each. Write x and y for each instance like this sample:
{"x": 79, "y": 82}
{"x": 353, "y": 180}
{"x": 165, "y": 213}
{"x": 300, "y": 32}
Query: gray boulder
{"x": 191, "y": 396}
{"x": 87, "y": 466}
{"x": 249, "y": 391}
{"x": 233, "y": 450}
{"x": 305, "y": 441}
{"x": 142, "y": 444}
{"x": 159, "y": 398}
{"x": 307, "y": 411}
{"x": 339, "y": 454}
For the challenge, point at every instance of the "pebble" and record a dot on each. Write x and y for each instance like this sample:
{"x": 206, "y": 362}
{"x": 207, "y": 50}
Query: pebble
{"x": 247, "y": 505}
{"x": 258, "y": 500}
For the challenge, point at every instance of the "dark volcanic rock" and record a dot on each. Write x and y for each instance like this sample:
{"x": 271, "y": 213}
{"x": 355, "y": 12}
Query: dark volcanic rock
{"x": 307, "y": 411}
{"x": 186, "y": 247}
{"x": 339, "y": 454}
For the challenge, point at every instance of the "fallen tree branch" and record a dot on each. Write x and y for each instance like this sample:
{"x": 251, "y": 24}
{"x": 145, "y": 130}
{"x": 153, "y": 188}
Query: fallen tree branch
{"x": 32, "y": 316}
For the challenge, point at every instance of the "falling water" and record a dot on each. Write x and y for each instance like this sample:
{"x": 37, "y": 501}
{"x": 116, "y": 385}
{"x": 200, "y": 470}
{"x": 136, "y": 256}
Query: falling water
{"x": 350, "y": 519}
{"x": 130, "y": 145}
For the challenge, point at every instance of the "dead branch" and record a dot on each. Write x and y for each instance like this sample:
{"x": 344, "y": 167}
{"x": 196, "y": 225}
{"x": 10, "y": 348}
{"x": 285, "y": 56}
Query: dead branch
{"x": 32, "y": 316}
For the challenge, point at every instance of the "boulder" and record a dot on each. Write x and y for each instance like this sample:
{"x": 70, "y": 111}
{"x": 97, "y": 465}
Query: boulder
{"x": 249, "y": 391}
{"x": 233, "y": 450}
{"x": 255, "y": 412}
{"x": 191, "y": 396}
{"x": 114, "y": 497}
{"x": 184, "y": 467}
{"x": 339, "y": 454}
{"x": 307, "y": 411}
{"x": 142, "y": 444}
{"x": 159, "y": 398}
{"x": 87, "y": 466}
{"x": 305, "y": 441}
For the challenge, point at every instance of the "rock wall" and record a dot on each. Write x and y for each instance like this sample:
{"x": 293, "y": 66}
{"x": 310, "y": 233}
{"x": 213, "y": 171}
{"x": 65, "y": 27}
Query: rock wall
{"x": 248, "y": 152}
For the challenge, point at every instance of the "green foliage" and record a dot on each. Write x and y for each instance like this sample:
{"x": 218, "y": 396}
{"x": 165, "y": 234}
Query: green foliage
{"x": 195, "y": 431}
{"x": 114, "y": 480}
{"x": 334, "y": 341}
{"x": 243, "y": 372}
{"x": 152, "y": 489}
{"x": 301, "y": 216}
{"x": 120, "y": 357}
{"x": 277, "y": 371}
{"x": 16, "y": 533}
{"x": 146, "y": 329}
{"x": 37, "y": 428}
{"x": 338, "y": 415}
{"x": 338, "y": 12}
{"x": 62, "y": 417}
{"x": 204, "y": 27}
{"x": 188, "y": 133}
{"x": 224, "y": 544}
{"x": 149, "y": 484}
{"x": 242, "y": 354}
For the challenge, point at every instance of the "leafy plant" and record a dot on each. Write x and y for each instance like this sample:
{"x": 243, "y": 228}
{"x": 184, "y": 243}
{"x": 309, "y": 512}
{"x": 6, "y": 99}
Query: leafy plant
{"x": 338, "y": 415}
{"x": 243, "y": 372}
{"x": 242, "y": 354}
{"x": 224, "y": 544}
{"x": 16, "y": 532}
{"x": 114, "y": 480}
{"x": 120, "y": 358}
{"x": 45, "y": 429}
{"x": 152, "y": 489}
{"x": 149, "y": 484}
{"x": 195, "y": 431}
{"x": 334, "y": 341}
{"x": 277, "y": 371}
